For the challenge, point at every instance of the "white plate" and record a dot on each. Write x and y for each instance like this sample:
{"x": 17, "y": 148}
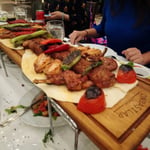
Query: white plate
{"x": 142, "y": 71}
{"x": 37, "y": 121}
{"x": 109, "y": 52}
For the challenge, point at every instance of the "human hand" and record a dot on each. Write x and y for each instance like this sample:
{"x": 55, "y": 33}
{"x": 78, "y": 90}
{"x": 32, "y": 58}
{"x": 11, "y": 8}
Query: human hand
{"x": 134, "y": 55}
{"x": 77, "y": 36}
{"x": 56, "y": 15}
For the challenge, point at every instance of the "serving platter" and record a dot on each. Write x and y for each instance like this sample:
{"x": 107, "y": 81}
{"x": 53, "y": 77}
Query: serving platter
{"x": 123, "y": 126}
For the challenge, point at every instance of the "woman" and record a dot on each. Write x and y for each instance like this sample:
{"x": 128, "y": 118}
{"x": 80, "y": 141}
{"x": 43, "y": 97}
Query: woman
{"x": 126, "y": 24}
{"x": 73, "y": 12}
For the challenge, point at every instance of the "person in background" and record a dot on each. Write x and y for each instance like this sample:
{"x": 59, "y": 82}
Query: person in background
{"x": 126, "y": 25}
{"x": 73, "y": 12}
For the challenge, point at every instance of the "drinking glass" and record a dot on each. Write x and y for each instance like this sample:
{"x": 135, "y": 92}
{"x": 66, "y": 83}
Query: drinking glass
{"x": 20, "y": 12}
{"x": 56, "y": 28}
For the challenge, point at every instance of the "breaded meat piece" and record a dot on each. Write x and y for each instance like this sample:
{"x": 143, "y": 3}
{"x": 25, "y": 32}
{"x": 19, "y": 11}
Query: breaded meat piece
{"x": 102, "y": 77}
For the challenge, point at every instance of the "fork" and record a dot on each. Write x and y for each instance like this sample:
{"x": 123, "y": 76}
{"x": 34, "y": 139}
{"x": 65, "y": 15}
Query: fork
{"x": 9, "y": 120}
{"x": 13, "y": 118}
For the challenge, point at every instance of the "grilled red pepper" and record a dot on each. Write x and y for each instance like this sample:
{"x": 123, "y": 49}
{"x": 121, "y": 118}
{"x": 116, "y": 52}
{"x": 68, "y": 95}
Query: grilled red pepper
{"x": 29, "y": 29}
{"x": 126, "y": 73}
{"x": 57, "y": 48}
{"x": 93, "y": 101}
{"x": 17, "y": 21}
{"x": 51, "y": 41}
{"x": 22, "y": 33}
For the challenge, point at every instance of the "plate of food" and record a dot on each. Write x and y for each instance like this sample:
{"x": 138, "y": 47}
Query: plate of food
{"x": 53, "y": 77}
{"x": 38, "y": 114}
{"x": 106, "y": 50}
{"x": 140, "y": 70}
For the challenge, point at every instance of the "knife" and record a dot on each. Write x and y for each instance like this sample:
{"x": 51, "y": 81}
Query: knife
{"x": 40, "y": 97}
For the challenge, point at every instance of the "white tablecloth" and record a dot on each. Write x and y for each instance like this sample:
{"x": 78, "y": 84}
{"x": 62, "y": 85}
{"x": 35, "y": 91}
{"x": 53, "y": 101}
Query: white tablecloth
{"x": 20, "y": 136}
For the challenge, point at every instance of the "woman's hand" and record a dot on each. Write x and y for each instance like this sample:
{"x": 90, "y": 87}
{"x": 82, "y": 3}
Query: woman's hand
{"x": 56, "y": 15}
{"x": 77, "y": 36}
{"x": 134, "y": 55}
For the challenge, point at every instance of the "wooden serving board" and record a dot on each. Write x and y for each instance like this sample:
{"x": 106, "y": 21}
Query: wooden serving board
{"x": 123, "y": 126}
{"x": 121, "y": 119}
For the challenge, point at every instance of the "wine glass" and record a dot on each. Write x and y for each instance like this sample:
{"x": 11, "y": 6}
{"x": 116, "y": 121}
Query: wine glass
{"x": 56, "y": 28}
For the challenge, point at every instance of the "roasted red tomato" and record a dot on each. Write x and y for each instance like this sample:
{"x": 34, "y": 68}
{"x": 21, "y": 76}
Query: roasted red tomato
{"x": 93, "y": 101}
{"x": 126, "y": 74}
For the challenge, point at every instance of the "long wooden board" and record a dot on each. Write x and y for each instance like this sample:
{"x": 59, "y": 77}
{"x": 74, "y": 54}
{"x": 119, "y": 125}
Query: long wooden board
{"x": 122, "y": 127}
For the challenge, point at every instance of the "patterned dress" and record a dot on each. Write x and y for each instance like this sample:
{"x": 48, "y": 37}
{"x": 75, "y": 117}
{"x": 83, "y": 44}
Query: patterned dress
{"x": 79, "y": 16}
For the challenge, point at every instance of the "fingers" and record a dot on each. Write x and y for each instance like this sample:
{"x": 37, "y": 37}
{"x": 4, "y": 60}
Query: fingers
{"x": 76, "y": 36}
{"x": 56, "y": 15}
{"x": 134, "y": 55}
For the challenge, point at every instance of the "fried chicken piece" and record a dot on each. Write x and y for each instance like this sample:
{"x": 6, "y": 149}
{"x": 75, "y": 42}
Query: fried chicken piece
{"x": 4, "y": 34}
{"x": 109, "y": 63}
{"x": 75, "y": 82}
{"x": 92, "y": 54}
{"x": 34, "y": 45}
{"x": 53, "y": 72}
{"x": 41, "y": 62}
{"x": 87, "y": 84}
{"x": 63, "y": 54}
{"x": 102, "y": 77}
{"x": 53, "y": 68}
{"x": 56, "y": 79}
{"x": 60, "y": 55}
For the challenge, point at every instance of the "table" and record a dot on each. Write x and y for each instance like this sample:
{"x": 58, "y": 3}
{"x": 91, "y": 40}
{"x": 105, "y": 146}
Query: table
{"x": 122, "y": 127}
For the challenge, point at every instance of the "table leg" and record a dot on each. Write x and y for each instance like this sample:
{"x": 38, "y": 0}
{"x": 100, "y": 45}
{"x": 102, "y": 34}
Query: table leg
{"x": 77, "y": 131}
{"x": 3, "y": 63}
{"x": 50, "y": 116}
{"x": 68, "y": 119}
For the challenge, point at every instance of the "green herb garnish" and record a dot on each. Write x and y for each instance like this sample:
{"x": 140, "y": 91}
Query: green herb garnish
{"x": 13, "y": 109}
{"x": 48, "y": 136}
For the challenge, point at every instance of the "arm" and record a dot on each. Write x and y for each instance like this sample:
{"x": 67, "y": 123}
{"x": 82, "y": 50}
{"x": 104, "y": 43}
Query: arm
{"x": 58, "y": 15}
{"x": 77, "y": 36}
{"x": 135, "y": 55}
{"x": 73, "y": 13}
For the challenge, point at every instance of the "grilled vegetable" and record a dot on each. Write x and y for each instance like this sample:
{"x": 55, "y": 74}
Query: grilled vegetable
{"x": 17, "y": 21}
{"x": 16, "y": 25}
{"x": 21, "y": 29}
{"x": 93, "y": 101}
{"x": 40, "y": 109}
{"x": 126, "y": 73}
{"x": 93, "y": 65}
{"x": 71, "y": 60}
{"x": 51, "y": 41}
{"x": 56, "y": 48}
{"x": 22, "y": 33}
{"x": 17, "y": 41}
